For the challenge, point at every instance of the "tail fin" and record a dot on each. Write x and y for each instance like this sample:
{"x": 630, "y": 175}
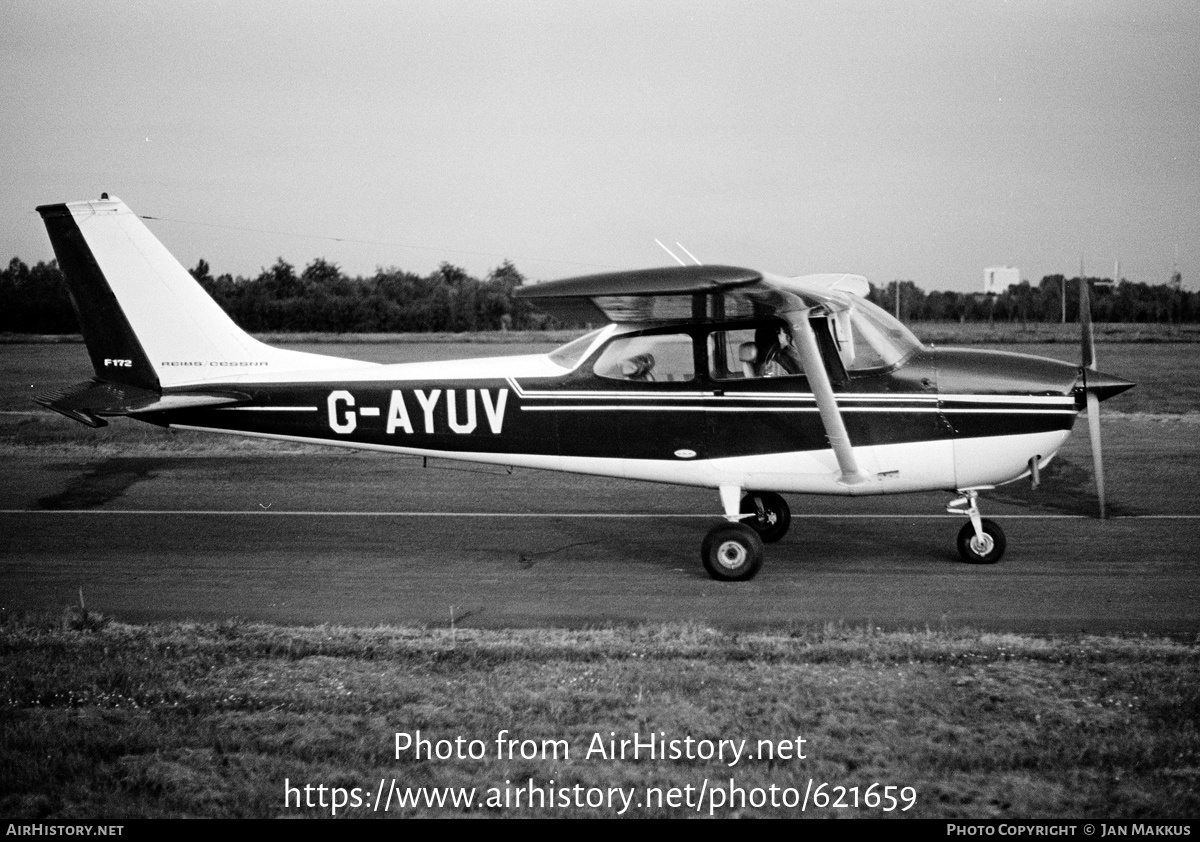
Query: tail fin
{"x": 116, "y": 353}
{"x": 146, "y": 321}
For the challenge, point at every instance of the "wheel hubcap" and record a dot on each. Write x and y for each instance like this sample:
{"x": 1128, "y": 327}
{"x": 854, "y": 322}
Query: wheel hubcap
{"x": 983, "y": 547}
{"x": 731, "y": 554}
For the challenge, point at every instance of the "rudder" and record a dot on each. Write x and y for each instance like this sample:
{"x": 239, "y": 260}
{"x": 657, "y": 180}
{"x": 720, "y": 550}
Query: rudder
{"x": 146, "y": 321}
{"x": 115, "y": 351}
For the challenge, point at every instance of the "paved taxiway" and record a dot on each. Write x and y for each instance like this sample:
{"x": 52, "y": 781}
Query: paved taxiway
{"x": 365, "y": 539}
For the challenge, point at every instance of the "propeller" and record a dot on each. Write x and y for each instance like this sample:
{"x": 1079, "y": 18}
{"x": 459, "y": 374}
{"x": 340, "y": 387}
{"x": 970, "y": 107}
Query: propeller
{"x": 1088, "y": 363}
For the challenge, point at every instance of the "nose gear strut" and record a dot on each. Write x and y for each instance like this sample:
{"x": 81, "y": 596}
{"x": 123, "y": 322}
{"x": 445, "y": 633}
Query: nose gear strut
{"x": 981, "y": 541}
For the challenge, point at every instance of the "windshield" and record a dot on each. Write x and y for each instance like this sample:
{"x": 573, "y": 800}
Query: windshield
{"x": 880, "y": 340}
{"x": 569, "y": 355}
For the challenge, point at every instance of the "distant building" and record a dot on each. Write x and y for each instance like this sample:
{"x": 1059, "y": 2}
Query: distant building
{"x": 999, "y": 278}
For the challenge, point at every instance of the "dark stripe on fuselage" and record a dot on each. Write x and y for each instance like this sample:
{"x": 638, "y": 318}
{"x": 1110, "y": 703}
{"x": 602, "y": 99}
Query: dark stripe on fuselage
{"x": 496, "y": 416}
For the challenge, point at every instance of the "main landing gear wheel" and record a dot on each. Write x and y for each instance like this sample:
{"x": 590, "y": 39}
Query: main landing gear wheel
{"x": 987, "y": 551}
{"x": 771, "y": 516}
{"x": 732, "y": 552}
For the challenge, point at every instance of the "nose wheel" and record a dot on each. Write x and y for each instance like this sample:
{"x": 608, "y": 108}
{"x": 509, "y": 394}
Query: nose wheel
{"x": 981, "y": 541}
{"x": 985, "y": 550}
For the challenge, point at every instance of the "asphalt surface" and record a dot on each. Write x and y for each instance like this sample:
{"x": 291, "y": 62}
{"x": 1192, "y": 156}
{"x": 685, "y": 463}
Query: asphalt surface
{"x": 365, "y": 539}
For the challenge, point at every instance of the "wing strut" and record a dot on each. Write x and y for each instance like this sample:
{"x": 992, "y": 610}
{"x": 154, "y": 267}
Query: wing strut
{"x": 831, "y": 416}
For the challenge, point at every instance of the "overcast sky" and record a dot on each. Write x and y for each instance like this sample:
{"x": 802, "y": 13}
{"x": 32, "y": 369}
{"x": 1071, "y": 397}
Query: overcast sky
{"x": 915, "y": 140}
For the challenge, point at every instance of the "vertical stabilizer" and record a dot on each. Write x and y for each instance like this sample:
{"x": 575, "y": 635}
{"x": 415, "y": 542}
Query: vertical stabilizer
{"x": 116, "y": 353}
{"x": 146, "y": 320}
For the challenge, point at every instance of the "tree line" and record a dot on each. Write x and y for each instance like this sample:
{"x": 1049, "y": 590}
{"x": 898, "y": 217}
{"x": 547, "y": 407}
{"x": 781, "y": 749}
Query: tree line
{"x": 1055, "y": 298}
{"x": 34, "y": 299}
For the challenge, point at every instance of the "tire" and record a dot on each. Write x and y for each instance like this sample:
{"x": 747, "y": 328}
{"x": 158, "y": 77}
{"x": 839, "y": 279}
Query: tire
{"x": 771, "y": 515}
{"x": 732, "y": 552}
{"x": 971, "y": 553}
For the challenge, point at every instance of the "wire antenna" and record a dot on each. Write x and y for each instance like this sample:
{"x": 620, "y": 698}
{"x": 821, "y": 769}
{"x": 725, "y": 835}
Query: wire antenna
{"x": 689, "y": 254}
{"x": 668, "y": 251}
{"x": 357, "y": 241}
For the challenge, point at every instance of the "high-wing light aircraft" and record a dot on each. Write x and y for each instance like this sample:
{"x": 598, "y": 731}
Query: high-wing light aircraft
{"x": 712, "y": 376}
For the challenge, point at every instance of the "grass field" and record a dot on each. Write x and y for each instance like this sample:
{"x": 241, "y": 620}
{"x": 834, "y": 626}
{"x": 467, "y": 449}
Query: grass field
{"x": 108, "y": 720}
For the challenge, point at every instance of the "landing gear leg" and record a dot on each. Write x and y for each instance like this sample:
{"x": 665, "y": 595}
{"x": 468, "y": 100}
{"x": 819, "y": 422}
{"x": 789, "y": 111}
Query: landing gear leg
{"x": 769, "y": 514}
{"x": 732, "y": 551}
{"x": 981, "y": 541}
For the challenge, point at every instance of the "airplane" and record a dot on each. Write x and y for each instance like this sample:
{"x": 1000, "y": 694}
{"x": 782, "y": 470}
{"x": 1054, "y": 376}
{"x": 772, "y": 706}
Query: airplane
{"x": 750, "y": 383}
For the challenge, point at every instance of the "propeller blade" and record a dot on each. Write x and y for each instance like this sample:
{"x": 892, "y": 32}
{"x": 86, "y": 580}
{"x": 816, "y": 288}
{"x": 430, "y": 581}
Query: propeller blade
{"x": 1085, "y": 322}
{"x": 1088, "y": 361}
{"x": 1093, "y": 411}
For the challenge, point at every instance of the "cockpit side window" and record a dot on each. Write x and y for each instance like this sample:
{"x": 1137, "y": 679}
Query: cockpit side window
{"x": 765, "y": 350}
{"x": 652, "y": 358}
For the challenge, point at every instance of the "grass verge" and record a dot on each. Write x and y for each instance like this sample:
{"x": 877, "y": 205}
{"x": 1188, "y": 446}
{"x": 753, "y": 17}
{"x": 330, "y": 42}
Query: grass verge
{"x": 104, "y": 719}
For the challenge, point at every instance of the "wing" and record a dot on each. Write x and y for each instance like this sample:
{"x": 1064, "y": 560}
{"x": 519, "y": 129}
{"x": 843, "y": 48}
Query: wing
{"x": 690, "y": 293}
{"x": 669, "y": 293}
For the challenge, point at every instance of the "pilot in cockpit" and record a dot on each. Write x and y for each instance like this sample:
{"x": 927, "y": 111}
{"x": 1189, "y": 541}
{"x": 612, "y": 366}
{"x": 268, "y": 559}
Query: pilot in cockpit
{"x": 774, "y": 353}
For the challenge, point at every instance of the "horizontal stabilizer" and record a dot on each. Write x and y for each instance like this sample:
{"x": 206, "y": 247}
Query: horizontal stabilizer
{"x": 89, "y": 402}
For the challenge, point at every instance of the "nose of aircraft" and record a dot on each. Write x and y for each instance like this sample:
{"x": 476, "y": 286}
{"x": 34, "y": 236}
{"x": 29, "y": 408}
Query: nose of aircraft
{"x": 980, "y": 372}
{"x": 1104, "y": 386}
{"x": 999, "y": 372}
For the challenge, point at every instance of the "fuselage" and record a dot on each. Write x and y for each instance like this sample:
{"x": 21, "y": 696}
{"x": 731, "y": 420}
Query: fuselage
{"x": 707, "y": 375}
{"x": 936, "y": 419}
